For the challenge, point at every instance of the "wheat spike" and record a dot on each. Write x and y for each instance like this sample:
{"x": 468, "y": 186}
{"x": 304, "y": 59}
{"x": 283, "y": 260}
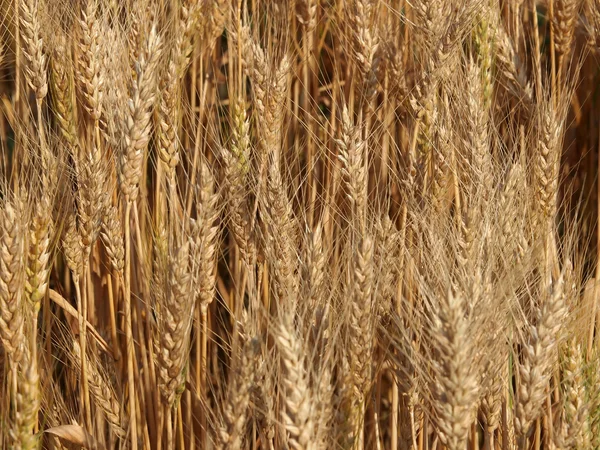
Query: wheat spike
{"x": 174, "y": 308}
{"x": 538, "y": 355}
{"x": 33, "y": 48}
{"x": 38, "y": 254}
{"x": 137, "y": 122}
{"x": 298, "y": 408}
{"x": 11, "y": 278}
{"x": 89, "y": 76}
{"x": 101, "y": 390}
{"x": 203, "y": 240}
{"x": 27, "y": 405}
{"x": 456, "y": 386}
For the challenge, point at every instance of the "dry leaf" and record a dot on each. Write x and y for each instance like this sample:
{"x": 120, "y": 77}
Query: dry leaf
{"x": 75, "y": 435}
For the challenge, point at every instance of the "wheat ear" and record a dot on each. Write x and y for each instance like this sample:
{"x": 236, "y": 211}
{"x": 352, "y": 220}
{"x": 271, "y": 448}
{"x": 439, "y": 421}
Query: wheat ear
{"x": 27, "y": 405}
{"x": 298, "y": 403}
{"x": 237, "y": 401}
{"x": 174, "y": 307}
{"x": 456, "y": 380}
{"x": 33, "y": 49}
{"x": 236, "y": 169}
{"x": 361, "y": 334}
{"x": 539, "y": 348}
{"x": 11, "y": 279}
{"x": 89, "y": 76}
{"x": 572, "y": 429}
{"x": 137, "y": 122}
{"x": 102, "y": 392}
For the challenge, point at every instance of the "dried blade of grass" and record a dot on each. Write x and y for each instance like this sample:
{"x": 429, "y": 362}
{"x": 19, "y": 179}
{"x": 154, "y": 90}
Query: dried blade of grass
{"x": 75, "y": 434}
{"x": 62, "y": 303}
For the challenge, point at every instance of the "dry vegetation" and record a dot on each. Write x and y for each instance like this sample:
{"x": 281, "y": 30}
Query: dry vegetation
{"x": 299, "y": 224}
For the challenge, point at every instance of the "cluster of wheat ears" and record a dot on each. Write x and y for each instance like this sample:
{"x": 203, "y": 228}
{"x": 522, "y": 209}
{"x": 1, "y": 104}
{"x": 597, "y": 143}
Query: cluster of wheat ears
{"x": 299, "y": 224}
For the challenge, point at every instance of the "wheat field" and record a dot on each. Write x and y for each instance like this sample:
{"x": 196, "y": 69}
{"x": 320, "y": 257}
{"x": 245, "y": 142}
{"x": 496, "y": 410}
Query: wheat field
{"x": 299, "y": 224}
